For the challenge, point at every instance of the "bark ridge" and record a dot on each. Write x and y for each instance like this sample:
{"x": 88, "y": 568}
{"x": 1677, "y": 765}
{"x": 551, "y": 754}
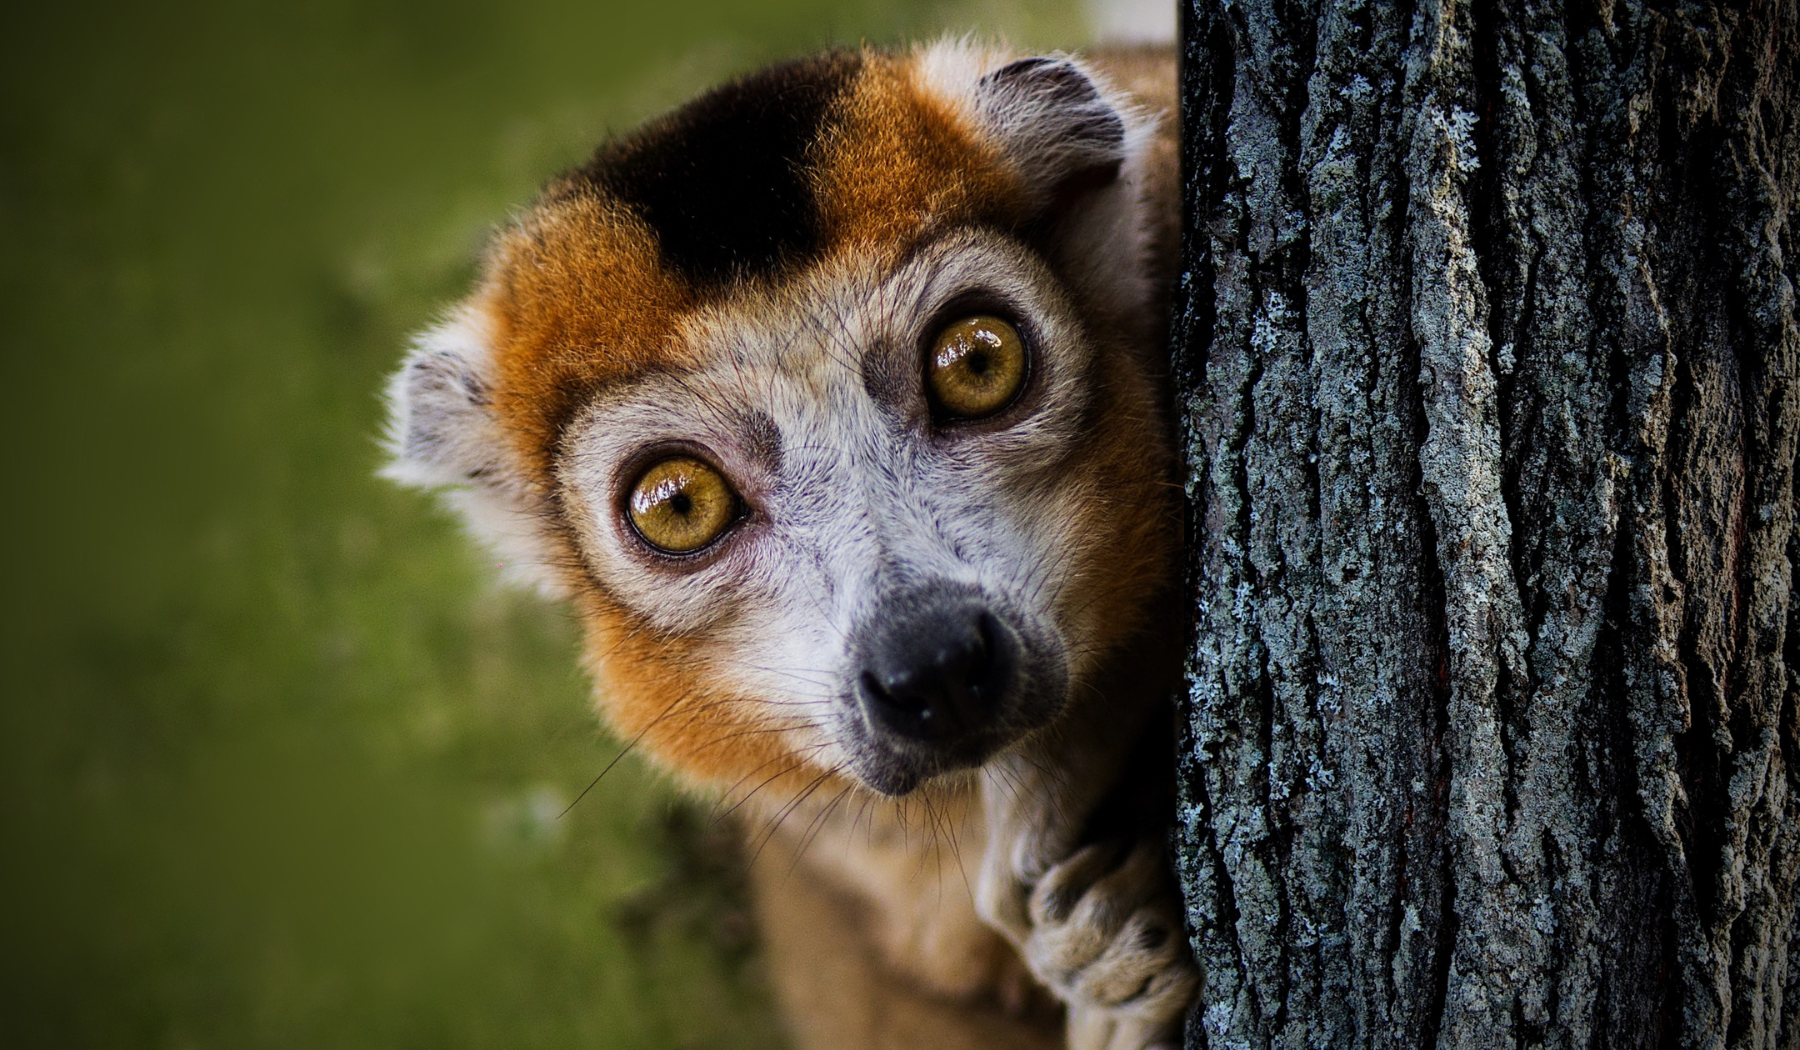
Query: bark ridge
{"x": 1485, "y": 364}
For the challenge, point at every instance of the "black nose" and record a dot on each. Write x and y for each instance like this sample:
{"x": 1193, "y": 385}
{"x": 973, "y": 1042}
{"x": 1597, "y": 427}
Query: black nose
{"x": 938, "y": 675}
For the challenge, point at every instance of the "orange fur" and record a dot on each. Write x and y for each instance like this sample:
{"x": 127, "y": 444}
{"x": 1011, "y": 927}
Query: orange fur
{"x": 578, "y": 301}
{"x": 654, "y": 690}
{"x": 903, "y": 163}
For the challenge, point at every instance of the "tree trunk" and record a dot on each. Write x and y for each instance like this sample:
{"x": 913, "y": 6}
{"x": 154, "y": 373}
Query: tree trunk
{"x": 1487, "y": 358}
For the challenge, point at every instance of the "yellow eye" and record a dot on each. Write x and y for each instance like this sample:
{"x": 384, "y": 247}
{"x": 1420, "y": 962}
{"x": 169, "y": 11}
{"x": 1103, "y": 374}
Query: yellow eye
{"x": 680, "y": 504}
{"x": 977, "y": 366}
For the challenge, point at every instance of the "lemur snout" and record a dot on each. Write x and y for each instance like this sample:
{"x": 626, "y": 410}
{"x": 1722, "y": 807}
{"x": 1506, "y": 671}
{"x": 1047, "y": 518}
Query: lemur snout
{"x": 940, "y": 674}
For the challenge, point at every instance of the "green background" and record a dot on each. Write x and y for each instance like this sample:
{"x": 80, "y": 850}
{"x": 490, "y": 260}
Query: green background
{"x": 280, "y": 764}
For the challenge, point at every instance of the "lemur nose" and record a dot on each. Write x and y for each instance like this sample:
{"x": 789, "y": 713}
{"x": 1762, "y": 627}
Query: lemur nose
{"x": 937, "y": 677}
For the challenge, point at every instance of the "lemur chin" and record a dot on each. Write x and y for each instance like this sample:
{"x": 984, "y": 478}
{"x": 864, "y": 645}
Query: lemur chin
{"x": 834, "y": 402}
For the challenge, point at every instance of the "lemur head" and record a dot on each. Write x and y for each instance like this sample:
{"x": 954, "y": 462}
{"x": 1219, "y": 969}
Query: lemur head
{"x": 829, "y": 399}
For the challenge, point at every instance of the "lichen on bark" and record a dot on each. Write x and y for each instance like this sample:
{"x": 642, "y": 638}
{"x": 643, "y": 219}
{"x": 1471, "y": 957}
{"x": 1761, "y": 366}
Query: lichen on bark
{"x": 1486, "y": 356}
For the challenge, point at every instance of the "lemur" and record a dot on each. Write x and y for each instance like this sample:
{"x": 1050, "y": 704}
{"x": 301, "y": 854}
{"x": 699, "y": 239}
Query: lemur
{"x": 834, "y": 402}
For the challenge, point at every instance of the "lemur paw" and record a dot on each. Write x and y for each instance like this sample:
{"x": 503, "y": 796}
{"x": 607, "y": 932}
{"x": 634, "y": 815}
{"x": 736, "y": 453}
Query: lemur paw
{"x": 1105, "y": 935}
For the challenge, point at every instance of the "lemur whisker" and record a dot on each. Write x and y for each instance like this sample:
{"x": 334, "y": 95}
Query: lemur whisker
{"x": 956, "y": 854}
{"x": 772, "y": 778}
{"x": 798, "y": 676}
{"x": 726, "y": 795}
{"x": 629, "y": 746}
{"x": 746, "y": 733}
{"x": 800, "y": 755}
{"x": 782, "y": 815}
{"x": 934, "y": 851}
{"x": 817, "y": 826}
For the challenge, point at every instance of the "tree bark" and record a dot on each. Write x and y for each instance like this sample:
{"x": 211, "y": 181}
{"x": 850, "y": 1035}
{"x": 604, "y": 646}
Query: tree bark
{"x": 1486, "y": 362}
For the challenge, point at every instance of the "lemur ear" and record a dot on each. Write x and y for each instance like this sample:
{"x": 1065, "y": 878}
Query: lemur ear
{"x": 1055, "y": 124}
{"x": 443, "y": 436}
{"x": 438, "y": 429}
{"x": 1083, "y": 150}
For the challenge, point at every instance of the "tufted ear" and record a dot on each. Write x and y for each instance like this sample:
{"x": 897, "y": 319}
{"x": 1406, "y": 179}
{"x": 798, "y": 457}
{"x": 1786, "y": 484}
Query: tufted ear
{"x": 1055, "y": 124}
{"x": 442, "y": 436}
{"x": 1086, "y": 154}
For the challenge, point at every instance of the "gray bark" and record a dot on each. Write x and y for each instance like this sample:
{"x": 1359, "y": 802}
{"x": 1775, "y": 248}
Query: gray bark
{"x": 1486, "y": 357}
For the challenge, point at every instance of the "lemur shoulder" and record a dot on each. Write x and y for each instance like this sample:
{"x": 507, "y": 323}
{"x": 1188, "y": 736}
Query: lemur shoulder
{"x": 834, "y": 402}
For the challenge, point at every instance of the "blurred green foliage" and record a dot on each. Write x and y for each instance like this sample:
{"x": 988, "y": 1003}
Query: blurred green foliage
{"x": 280, "y": 766}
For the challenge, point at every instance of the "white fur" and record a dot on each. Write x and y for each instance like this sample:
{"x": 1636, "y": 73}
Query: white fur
{"x": 441, "y": 437}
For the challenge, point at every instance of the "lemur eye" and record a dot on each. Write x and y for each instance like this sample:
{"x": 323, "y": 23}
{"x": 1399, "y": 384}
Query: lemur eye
{"x": 680, "y": 505}
{"x": 977, "y": 366}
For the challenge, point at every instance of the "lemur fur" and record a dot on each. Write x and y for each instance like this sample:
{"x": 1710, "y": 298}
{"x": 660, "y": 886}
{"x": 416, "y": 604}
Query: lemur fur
{"x": 925, "y": 650}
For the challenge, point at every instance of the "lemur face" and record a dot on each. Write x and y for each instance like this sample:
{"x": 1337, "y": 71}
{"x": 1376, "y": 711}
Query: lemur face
{"x": 827, "y": 398}
{"x": 885, "y": 575}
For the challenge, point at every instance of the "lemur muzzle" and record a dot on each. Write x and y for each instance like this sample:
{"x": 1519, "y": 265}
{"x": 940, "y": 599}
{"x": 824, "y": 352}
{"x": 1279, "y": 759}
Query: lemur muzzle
{"x": 940, "y": 671}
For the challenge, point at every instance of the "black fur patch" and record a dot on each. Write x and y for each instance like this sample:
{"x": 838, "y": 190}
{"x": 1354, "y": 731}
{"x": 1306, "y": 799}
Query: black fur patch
{"x": 722, "y": 180}
{"x": 1064, "y": 86}
{"x": 1072, "y": 141}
